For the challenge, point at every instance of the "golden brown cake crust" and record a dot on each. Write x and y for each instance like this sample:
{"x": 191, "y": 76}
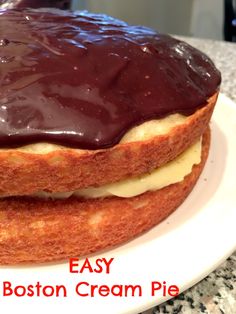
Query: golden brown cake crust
{"x": 63, "y": 170}
{"x": 37, "y": 231}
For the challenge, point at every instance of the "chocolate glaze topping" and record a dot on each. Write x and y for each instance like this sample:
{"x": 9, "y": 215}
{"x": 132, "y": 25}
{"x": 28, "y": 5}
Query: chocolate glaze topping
{"x": 83, "y": 80}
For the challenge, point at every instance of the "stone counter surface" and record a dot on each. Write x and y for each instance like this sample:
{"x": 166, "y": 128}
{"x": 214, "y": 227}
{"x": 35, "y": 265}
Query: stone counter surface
{"x": 216, "y": 294}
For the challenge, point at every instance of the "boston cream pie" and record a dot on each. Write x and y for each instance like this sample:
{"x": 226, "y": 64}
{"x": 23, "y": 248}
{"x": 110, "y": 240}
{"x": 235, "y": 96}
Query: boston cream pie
{"x": 103, "y": 131}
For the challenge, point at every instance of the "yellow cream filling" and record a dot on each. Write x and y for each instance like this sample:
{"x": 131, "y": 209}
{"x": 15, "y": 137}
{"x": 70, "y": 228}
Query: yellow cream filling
{"x": 145, "y": 131}
{"x": 172, "y": 172}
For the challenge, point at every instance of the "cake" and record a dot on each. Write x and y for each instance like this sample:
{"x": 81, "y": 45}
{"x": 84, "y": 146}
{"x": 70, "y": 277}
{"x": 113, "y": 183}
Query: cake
{"x": 104, "y": 131}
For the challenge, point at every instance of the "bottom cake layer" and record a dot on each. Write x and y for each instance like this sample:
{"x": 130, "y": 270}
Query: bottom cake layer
{"x": 34, "y": 230}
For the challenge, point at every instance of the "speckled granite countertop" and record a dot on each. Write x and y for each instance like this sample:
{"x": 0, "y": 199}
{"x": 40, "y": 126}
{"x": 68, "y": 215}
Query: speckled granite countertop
{"x": 216, "y": 294}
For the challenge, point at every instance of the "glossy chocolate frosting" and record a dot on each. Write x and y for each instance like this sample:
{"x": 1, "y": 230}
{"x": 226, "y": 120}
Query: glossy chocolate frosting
{"x": 83, "y": 80}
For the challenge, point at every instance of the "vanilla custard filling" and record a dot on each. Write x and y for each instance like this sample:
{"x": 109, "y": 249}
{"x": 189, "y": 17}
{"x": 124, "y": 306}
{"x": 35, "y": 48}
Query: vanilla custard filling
{"x": 142, "y": 132}
{"x": 172, "y": 172}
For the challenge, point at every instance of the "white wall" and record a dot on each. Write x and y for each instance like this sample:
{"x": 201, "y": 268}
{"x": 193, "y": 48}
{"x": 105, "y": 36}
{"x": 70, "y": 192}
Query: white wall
{"x": 152, "y": 13}
{"x": 199, "y": 18}
{"x": 207, "y": 19}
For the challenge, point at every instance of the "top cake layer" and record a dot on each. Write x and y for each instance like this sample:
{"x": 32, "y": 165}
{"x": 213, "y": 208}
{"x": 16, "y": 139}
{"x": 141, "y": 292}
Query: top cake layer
{"x": 83, "y": 80}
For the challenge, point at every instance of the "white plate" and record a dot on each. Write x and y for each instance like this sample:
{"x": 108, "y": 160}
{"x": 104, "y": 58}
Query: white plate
{"x": 182, "y": 250}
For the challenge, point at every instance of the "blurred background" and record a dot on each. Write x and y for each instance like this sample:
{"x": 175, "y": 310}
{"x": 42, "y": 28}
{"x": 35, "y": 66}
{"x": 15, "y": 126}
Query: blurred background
{"x": 199, "y": 18}
{"x": 214, "y": 19}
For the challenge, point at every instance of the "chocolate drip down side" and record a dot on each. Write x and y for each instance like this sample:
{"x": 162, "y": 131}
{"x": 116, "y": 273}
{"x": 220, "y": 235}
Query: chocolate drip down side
{"x": 83, "y": 80}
